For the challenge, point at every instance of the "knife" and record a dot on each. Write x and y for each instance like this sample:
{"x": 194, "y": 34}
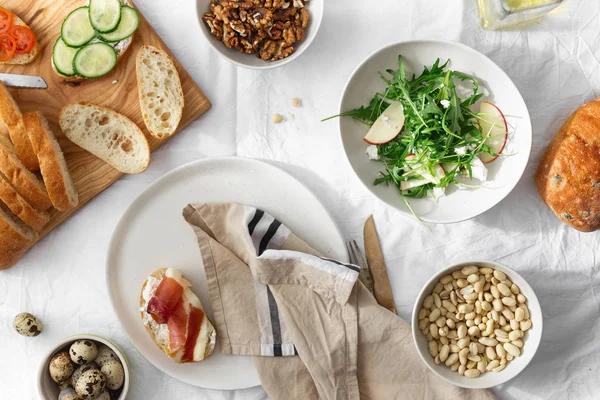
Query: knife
{"x": 381, "y": 281}
{"x": 23, "y": 81}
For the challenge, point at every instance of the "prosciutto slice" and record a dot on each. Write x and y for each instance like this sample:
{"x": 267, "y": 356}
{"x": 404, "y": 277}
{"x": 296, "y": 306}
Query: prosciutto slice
{"x": 178, "y": 325}
{"x": 165, "y": 299}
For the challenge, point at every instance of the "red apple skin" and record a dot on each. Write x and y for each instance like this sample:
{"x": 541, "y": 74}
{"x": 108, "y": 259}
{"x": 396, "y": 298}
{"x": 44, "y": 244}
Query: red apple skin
{"x": 376, "y": 144}
{"x": 505, "y": 136}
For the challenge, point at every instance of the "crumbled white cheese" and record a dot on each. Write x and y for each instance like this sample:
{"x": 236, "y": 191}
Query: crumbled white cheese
{"x": 373, "y": 152}
{"x": 277, "y": 118}
{"x": 445, "y": 103}
{"x": 296, "y": 102}
{"x": 461, "y": 151}
{"x": 478, "y": 169}
{"x": 439, "y": 192}
{"x": 115, "y": 82}
{"x": 386, "y": 121}
{"x": 485, "y": 91}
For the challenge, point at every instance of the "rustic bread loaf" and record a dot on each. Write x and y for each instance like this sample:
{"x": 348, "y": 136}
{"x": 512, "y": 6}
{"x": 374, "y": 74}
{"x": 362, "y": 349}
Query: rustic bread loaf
{"x": 22, "y": 59}
{"x": 16, "y": 203}
{"x": 10, "y": 114}
{"x": 568, "y": 176}
{"x": 160, "y": 92}
{"x": 108, "y": 135}
{"x": 57, "y": 178}
{"x": 15, "y": 237}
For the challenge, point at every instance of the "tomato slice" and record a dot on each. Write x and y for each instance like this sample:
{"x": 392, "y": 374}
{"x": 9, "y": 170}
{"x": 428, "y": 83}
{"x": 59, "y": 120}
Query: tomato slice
{"x": 24, "y": 39}
{"x": 7, "y": 47}
{"x": 6, "y": 20}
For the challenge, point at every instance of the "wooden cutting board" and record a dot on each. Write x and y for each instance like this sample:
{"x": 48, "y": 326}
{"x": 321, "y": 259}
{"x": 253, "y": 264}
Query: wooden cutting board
{"x": 118, "y": 91}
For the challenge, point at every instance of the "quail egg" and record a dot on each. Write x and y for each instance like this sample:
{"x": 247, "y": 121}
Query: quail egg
{"x": 113, "y": 371}
{"x": 60, "y": 367}
{"x": 103, "y": 396}
{"x": 79, "y": 371}
{"x": 105, "y": 354}
{"x": 90, "y": 384}
{"x": 83, "y": 351}
{"x": 68, "y": 394}
{"x": 27, "y": 325}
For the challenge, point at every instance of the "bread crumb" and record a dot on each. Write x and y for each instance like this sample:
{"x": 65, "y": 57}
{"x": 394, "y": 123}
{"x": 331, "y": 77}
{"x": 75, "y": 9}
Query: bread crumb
{"x": 115, "y": 82}
{"x": 296, "y": 102}
{"x": 277, "y": 118}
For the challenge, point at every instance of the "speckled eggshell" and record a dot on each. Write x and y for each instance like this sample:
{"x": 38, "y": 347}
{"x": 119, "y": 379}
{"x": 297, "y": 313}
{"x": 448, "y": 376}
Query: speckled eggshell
{"x": 83, "y": 351}
{"x": 68, "y": 394}
{"x": 103, "y": 396}
{"x": 60, "y": 367}
{"x": 79, "y": 371}
{"x": 90, "y": 384}
{"x": 105, "y": 354}
{"x": 113, "y": 371}
{"x": 27, "y": 325}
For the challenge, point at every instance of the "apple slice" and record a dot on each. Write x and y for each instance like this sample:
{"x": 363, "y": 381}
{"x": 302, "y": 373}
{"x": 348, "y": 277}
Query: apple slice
{"x": 495, "y": 128}
{"x": 388, "y": 125}
{"x": 413, "y": 183}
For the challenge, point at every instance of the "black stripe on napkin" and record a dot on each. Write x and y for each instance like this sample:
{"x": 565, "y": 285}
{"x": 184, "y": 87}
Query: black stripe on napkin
{"x": 255, "y": 220}
{"x": 274, "y": 311}
{"x": 268, "y": 236}
{"x": 350, "y": 266}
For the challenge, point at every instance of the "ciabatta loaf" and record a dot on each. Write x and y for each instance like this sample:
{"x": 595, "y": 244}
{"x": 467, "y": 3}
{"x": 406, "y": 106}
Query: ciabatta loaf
{"x": 25, "y": 182}
{"x": 22, "y": 59}
{"x": 26, "y": 212}
{"x": 160, "y": 92}
{"x": 57, "y": 178}
{"x": 184, "y": 333}
{"x": 15, "y": 237}
{"x": 108, "y": 135}
{"x": 10, "y": 114}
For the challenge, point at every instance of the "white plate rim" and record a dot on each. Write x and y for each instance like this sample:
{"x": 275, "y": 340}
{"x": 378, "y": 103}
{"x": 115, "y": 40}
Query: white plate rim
{"x": 527, "y": 118}
{"x": 141, "y": 196}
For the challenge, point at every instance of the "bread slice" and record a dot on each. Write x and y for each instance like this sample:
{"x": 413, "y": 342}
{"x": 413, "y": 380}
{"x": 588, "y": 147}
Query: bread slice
{"x": 160, "y": 92}
{"x": 108, "y": 135}
{"x": 25, "y": 182}
{"x": 157, "y": 333}
{"x": 59, "y": 184}
{"x": 22, "y": 59}
{"x": 15, "y": 238}
{"x": 121, "y": 49}
{"x": 10, "y": 114}
{"x": 26, "y": 212}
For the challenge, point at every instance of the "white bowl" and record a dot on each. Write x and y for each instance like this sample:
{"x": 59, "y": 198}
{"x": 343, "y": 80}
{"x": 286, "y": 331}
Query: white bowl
{"x": 251, "y": 61}
{"x": 48, "y": 389}
{"x": 531, "y": 339}
{"x": 457, "y": 205}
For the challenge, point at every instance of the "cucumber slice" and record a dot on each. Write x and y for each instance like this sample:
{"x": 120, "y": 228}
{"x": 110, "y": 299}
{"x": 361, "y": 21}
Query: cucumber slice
{"x": 76, "y": 29}
{"x": 95, "y": 60}
{"x": 63, "y": 56}
{"x": 105, "y": 15}
{"x": 130, "y": 21}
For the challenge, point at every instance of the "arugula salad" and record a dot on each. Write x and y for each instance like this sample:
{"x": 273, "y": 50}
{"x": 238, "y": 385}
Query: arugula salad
{"x": 427, "y": 134}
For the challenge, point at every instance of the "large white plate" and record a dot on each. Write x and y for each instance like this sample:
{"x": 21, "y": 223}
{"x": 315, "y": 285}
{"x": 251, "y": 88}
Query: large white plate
{"x": 152, "y": 234}
{"x": 504, "y": 173}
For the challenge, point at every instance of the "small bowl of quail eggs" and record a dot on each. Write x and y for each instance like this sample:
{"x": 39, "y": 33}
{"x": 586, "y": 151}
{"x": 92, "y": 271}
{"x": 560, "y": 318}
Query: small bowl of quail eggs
{"x": 84, "y": 367}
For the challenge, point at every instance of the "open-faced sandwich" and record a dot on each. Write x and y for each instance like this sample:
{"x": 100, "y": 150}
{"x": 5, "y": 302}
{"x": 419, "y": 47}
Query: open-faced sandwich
{"x": 18, "y": 44}
{"x": 94, "y": 39}
{"x": 175, "y": 318}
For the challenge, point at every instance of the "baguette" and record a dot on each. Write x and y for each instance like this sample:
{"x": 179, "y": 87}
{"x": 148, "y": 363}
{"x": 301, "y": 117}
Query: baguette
{"x": 11, "y": 115}
{"x": 15, "y": 237}
{"x": 25, "y": 182}
{"x": 59, "y": 184}
{"x": 22, "y": 59}
{"x": 26, "y": 212}
{"x": 108, "y": 135}
{"x": 159, "y": 333}
{"x": 160, "y": 92}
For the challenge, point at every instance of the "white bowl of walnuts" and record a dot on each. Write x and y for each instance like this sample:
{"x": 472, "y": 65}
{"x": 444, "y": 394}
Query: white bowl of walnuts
{"x": 477, "y": 324}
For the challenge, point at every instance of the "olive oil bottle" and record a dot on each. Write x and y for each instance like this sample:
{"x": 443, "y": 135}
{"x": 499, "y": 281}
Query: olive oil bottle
{"x": 497, "y": 14}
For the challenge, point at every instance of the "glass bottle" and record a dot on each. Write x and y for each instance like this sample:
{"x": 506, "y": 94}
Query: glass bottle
{"x": 497, "y": 14}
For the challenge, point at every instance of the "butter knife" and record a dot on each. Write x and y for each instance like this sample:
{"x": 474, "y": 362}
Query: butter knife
{"x": 381, "y": 281}
{"x": 23, "y": 81}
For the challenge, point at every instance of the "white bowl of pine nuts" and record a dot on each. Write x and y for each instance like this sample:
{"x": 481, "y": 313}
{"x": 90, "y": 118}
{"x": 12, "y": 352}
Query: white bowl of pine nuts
{"x": 477, "y": 324}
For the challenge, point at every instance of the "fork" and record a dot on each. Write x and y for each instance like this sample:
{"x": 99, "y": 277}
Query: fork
{"x": 357, "y": 258}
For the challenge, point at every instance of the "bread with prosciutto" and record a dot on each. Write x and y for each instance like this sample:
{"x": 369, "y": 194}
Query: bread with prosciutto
{"x": 175, "y": 318}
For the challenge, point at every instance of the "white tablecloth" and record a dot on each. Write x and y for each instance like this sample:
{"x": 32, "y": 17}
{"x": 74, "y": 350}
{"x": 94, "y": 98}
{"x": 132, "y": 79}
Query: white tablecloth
{"x": 555, "y": 64}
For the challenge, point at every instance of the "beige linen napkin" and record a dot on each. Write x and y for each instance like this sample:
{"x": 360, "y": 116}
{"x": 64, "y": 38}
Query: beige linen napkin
{"x": 316, "y": 332}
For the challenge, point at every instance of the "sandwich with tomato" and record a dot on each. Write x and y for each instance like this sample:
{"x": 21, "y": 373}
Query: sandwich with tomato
{"x": 18, "y": 44}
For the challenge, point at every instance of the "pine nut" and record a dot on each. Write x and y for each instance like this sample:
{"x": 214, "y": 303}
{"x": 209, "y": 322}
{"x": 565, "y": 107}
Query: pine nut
{"x": 471, "y": 296}
{"x": 433, "y": 331}
{"x": 499, "y": 275}
{"x": 521, "y": 298}
{"x": 433, "y": 348}
{"x": 462, "y": 331}
{"x": 512, "y": 349}
{"x": 493, "y": 364}
{"x": 458, "y": 275}
{"x": 437, "y": 300}
{"x": 473, "y": 278}
{"x": 462, "y": 283}
{"x": 443, "y": 331}
{"x": 471, "y": 364}
{"x": 454, "y": 367}
{"x": 461, "y": 369}
{"x": 452, "y": 358}
{"x": 481, "y": 366}
{"x": 467, "y": 290}
{"x": 508, "y": 314}
{"x": 498, "y": 369}
{"x": 422, "y": 313}
{"x": 438, "y": 287}
{"x": 519, "y": 314}
{"x": 509, "y": 301}
{"x": 423, "y": 324}
{"x": 509, "y": 357}
{"x": 514, "y": 289}
{"x": 444, "y": 352}
{"x": 449, "y": 306}
{"x": 443, "y": 340}
{"x": 462, "y": 356}
{"x": 525, "y": 325}
{"x": 436, "y": 360}
{"x": 446, "y": 279}
{"x": 505, "y": 290}
{"x": 478, "y": 286}
{"x": 441, "y": 321}
{"x": 495, "y": 292}
{"x": 473, "y": 349}
{"x": 472, "y": 373}
{"x": 464, "y": 342}
{"x": 488, "y": 341}
{"x": 486, "y": 270}
{"x": 428, "y": 302}
{"x": 500, "y": 333}
{"x": 453, "y": 299}
{"x": 450, "y": 323}
{"x": 470, "y": 270}
{"x": 435, "y": 314}
{"x": 452, "y": 335}
{"x": 480, "y": 348}
{"x": 491, "y": 353}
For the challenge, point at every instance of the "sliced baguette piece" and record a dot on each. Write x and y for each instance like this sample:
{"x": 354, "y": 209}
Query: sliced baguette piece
{"x": 25, "y": 182}
{"x": 59, "y": 184}
{"x": 15, "y": 237}
{"x": 108, "y": 135}
{"x": 26, "y": 212}
{"x": 160, "y": 92}
{"x": 157, "y": 331}
{"x": 10, "y": 114}
{"x": 22, "y": 59}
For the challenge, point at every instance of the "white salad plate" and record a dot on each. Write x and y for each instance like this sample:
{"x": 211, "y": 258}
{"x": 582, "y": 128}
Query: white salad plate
{"x": 152, "y": 234}
{"x": 503, "y": 174}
